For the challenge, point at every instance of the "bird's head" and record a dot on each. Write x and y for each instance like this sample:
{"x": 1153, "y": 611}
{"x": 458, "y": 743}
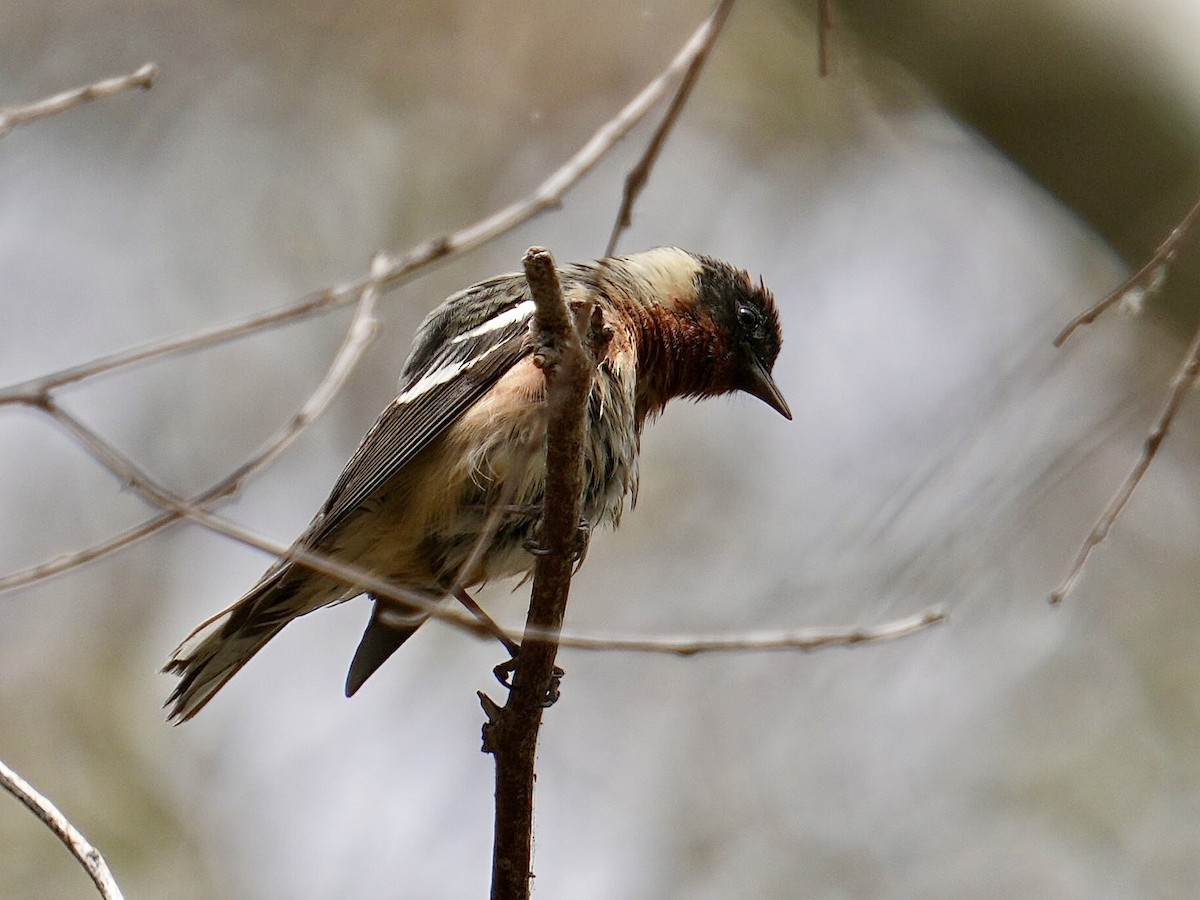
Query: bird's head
{"x": 703, "y": 327}
{"x": 748, "y": 323}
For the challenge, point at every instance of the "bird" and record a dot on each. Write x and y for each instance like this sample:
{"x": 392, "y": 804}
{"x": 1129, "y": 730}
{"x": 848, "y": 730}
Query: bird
{"x": 439, "y": 497}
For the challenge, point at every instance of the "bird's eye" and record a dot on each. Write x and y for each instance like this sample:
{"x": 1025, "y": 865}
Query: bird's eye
{"x": 748, "y": 317}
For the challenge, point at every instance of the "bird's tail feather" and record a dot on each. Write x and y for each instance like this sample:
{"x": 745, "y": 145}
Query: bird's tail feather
{"x": 379, "y": 641}
{"x": 220, "y": 646}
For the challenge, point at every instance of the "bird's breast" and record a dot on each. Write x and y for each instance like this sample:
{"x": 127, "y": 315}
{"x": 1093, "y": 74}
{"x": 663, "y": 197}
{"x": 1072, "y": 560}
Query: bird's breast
{"x": 492, "y": 474}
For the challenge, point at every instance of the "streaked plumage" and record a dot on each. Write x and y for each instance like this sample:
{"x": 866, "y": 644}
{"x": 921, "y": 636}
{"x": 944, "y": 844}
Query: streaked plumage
{"x": 413, "y": 500}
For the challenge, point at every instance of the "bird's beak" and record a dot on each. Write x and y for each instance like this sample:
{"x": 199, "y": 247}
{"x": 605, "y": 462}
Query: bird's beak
{"x": 760, "y": 384}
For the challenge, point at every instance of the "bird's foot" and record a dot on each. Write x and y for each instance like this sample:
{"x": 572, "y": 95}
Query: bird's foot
{"x": 579, "y": 546}
{"x": 504, "y": 671}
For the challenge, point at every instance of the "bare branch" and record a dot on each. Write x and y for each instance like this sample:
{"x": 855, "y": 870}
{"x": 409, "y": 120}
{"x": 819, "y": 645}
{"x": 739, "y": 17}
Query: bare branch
{"x": 89, "y": 857}
{"x": 553, "y": 326}
{"x": 635, "y": 181}
{"x": 130, "y": 474}
{"x": 522, "y": 458}
{"x": 679, "y": 645}
{"x": 321, "y": 301}
{"x": 13, "y": 116}
{"x": 511, "y": 732}
{"x": 547, "y": 195}
{"x": 1146, "y": 278}
{"x": 1184, "y": 380}
{"x": 359, "y": 334}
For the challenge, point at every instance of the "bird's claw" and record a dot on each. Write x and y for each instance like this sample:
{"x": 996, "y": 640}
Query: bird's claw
{"x": 579, "y": 548}
{"x": 533, "y": 548}
{"x": 583, "y": 537}
{"x": 553, "y": 692}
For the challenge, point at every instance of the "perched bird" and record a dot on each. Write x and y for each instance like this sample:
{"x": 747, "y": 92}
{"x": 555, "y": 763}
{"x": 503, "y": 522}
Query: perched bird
{"x": 416, "y": 497}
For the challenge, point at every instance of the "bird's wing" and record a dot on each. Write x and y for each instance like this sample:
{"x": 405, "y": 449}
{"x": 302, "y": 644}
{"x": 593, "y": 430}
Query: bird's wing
{"x": 460, "y": 351}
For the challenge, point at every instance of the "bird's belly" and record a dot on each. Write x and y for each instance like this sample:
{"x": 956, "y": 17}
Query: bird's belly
{"x": 467, "y": 508}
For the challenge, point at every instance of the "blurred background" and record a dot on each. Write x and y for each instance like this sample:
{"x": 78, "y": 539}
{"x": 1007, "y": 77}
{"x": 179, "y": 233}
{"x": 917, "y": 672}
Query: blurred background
{"x": 969, "y": 177}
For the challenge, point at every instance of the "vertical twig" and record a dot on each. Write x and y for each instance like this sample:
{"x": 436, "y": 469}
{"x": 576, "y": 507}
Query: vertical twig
{"x": 89, "y": 857}
{"x": 568, "y": 342}
{"x": 824, "y": 32}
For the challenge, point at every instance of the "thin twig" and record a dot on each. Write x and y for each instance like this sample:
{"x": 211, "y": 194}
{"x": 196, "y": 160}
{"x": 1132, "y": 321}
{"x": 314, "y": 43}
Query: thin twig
{"x": 809, "y": 639}
{"x": 678, "y": 645}
{"x": 89, "y": 857}
{"x": 176, "y": 508}
{"x": 636, "y": 180}
{"x": 315, "y": 303}
{"x": 523, "y": 457}
{"x": 1148, "y": 276}
{"x": 13, "y": 116}
{"x": 824, "y": 33}
{"x": 1184, "y": 380}
{"x": 133, "y": 476}
{"x": 65, "y": 562}
{"x": 361, "y": 332}
{"x": 487, "y": 621}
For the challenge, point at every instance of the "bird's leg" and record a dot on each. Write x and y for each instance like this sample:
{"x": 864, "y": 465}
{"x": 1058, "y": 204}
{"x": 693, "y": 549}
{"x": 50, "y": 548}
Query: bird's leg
{"x": 488, "y": 622}
{"x": 506, "y": 668}
{"x": 578, "y": 551}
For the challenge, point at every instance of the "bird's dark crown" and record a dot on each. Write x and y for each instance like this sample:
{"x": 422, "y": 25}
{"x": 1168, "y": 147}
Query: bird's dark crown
{"x": 745, "y": 310}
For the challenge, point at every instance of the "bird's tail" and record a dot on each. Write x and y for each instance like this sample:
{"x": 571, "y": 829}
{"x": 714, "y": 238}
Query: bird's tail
{"x": 220, "y": 646}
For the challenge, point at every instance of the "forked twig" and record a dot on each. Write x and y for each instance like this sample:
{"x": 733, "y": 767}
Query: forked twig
{"x": 142, "y": 79}
{"x": 385, "y": 272}
{"x": 89, "y": 857}
{"x": 1184, "y": 380}
{"x": 1145, "y": 278}
{"x": 359, "y": 335}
